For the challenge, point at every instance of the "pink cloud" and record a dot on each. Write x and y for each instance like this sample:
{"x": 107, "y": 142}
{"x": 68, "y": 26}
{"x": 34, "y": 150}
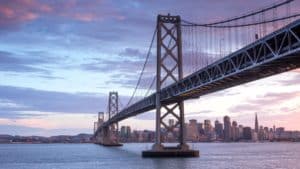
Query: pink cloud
{"x": 88, "y": 11}
{"x": 29, "y": 122}
{"x": 85, "y": 17}
{"x": 16, "y": 12}
{"x": 46, "y": 8}
{"x": 29, "y": 16}
{"x": 40, "y": 123}
{"x": 296, "y": 70}
{"x": 289, "y": 121}
{"x": 7, "y": 12}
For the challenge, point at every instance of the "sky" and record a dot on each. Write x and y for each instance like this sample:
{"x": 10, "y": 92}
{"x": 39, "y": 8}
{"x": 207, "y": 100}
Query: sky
{"x": 60, "y": 59}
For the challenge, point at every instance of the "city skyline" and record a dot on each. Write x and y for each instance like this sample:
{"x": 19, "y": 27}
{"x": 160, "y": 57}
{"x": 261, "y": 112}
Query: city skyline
{"x": 58, "y": 61}
{"x": 206, "y": 133}
{"x": 227, "y": 130}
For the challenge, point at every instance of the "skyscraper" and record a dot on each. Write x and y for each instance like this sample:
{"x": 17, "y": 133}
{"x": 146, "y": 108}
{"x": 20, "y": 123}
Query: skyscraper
{"x": 256, "y": 123}
{"x": 192, "y": 133}
{"x": 219, "y": 129}
{"x": 171, "y": 122}
{"x": 200, "y": 128}
{"x": 234, "y": 131}
{"x": 247, "y": 133}
{"x": 125, "y": 133}
{"x": 207, "y": 127}
{"x": 227, "y": 129}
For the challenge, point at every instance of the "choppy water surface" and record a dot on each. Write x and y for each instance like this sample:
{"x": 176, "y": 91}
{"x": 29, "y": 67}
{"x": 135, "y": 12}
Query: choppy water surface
{"x": 90, "y": 156}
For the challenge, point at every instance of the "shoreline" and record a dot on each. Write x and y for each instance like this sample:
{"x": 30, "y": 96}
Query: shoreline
{"x": 261, "y": 142}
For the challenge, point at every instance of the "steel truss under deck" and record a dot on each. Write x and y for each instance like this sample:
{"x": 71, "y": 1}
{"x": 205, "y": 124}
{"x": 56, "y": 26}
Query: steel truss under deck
{"x": 275, "y": 53}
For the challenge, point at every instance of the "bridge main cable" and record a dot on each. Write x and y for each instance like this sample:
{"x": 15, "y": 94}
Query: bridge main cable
{"x": 143, "y": 69}
{"x": 187, "y": 23}
{"x": 243, "y": 25}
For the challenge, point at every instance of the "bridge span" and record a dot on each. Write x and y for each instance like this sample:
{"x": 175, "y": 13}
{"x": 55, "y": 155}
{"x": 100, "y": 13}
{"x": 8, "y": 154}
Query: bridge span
{"x": 274, "y": 53}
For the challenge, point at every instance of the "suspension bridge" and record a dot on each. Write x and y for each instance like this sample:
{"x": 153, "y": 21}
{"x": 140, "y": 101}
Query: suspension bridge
{"x": 195, "y": 59}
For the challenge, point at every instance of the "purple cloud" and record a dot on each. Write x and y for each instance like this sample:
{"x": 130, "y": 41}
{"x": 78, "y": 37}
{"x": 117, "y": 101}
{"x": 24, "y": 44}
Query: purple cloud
{"x": 293, "y": 81}
{"x": 265, "y": 101}
{"x": 48, "y": 101}
{"x": 12, "y": 63}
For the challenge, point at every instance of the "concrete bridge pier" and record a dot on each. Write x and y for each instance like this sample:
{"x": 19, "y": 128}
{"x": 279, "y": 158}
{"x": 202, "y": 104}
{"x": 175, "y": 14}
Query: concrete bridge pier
{"x": 107, "y": 136}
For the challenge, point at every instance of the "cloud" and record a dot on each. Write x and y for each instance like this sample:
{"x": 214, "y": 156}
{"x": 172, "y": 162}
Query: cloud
{"x": 146, "y": 116}
{"x": 13, "y": 63}
{"x": 49, "y": 101}
{"x": 13, "y": 13}
{"x": 131, "y": 81}
{"x": 245, "y": 107}
{"x": 50, "y": 77}
{"x": 264, "y": 102}
{"x": 124, "y": 69}
{"x": 295, "y": 80}
{"x": 29, "y": 131}
{"x": 7, "y": 114}
{"x": 129, "y": 60}
{"x": 296, "y": 70}
{"x": 199, "y": 114}
{"x": 131, "y": 52}
{"x": 86, "y": 11}
{"x": 29, "y": 62}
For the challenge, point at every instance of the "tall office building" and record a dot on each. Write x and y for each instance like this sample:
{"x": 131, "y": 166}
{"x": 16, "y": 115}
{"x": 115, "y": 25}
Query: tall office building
{"x": 247, "y": 134}
{"x": 256, "y": 123}
{"x": 200, "y": 128}
{"x": 219, "y": 129}
{"x": 227, "y": 129}
{"x": 241, "y": 131}
{"x": 234, "y": 131}
{"x": 125, "y": 132}
{"x": 207, "y": 127}
{"x": 192, "y": 133}
{"x": 171, "y": 122}
{"x": 266, "y": 133}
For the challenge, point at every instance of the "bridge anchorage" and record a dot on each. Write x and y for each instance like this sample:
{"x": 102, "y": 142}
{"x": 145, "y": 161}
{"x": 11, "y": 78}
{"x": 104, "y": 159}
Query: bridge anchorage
{"x": 108, "y": 135}
{"x": 169, "y": 70}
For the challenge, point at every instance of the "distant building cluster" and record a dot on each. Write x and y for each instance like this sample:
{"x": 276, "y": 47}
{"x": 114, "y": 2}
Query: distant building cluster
{"x": 228, "y": 131}
{"x": 80, "y": 138}
{"x": 195, "y": 132}
{"x": 232, "y": 132}
{"x": 126, "y": 135}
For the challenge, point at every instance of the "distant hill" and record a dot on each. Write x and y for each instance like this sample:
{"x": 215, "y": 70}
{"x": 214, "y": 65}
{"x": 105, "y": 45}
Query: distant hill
{"x": 80, "y": 138}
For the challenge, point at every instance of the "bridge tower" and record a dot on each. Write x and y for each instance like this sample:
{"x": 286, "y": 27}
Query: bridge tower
{"x": 108, "y": 136}
{"x": 169, "y": 70}
{"x": 113, "y": 109}
{"x": 113, "y": 102}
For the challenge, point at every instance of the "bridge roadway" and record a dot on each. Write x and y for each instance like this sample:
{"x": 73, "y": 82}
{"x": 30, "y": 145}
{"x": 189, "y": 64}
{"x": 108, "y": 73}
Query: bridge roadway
{"x": 273, "y": 54}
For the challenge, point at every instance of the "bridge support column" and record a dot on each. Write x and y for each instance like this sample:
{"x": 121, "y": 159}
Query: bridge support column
{"x": 109, "y": 135}
{"x": 169, "y": 70}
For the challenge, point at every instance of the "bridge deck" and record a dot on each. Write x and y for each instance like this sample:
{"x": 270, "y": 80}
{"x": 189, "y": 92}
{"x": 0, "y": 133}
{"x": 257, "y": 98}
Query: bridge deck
{"x": 275, "y": 53}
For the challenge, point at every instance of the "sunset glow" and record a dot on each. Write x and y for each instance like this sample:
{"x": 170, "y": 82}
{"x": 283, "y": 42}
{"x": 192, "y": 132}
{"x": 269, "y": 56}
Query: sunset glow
{"x": 60, "y": 59}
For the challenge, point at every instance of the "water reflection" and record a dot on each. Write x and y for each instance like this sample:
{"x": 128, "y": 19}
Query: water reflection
{"x": 90, "y": 156}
